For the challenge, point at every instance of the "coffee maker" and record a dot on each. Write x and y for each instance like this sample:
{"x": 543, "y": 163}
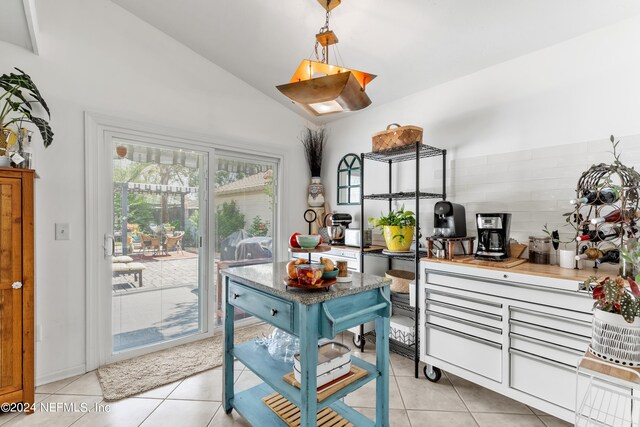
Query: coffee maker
{"x": 493, "y": 236}
{"x": 449, "y": 220}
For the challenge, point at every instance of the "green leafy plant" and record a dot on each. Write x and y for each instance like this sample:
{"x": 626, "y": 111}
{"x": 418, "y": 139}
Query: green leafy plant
{"x": 17, "y": 104}
{"x": 399, "y": 218}
{"x": 258, "y": 227}
{"x": 614, "y": 296}
{"x": 229, "y": 220}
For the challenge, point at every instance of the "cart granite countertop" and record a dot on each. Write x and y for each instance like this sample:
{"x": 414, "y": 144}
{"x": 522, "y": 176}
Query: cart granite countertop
{"x": 269, "y": 278}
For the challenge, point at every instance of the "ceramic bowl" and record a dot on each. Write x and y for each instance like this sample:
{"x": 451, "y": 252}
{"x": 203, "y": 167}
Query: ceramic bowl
{"x": 308, "y": 241}
{"x": 330, "y": 274}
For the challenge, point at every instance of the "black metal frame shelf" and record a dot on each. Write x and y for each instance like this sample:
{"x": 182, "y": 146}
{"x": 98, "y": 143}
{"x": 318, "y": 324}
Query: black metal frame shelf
{"x": 404, "y": 153}
{"x": 403, "y": 196}
{"x": 415, "y": 152}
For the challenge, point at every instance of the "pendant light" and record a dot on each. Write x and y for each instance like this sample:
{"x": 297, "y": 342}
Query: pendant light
{"x": 337, "y": 88}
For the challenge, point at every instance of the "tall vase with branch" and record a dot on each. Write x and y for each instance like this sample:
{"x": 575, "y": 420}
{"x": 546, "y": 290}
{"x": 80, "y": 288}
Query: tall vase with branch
{"x": 313, "y": 142}
{"x": 17, "y": 104}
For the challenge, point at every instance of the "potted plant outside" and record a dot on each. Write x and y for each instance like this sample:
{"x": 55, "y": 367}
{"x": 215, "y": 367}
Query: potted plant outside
{"x": 21, "y": 96}
{"x": 616, "y": 326}
{"x": 397, "y": 228}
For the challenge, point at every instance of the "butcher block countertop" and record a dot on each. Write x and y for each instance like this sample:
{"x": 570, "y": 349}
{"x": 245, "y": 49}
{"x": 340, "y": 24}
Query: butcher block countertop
{"x": 550, "y": 271}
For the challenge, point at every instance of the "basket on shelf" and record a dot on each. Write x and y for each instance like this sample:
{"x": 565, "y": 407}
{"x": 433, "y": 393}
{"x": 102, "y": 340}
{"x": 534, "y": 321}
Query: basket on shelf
{"x": 614, "y": 339}
{"x": 400, "y": 280}
{"x": 396, "y": 137}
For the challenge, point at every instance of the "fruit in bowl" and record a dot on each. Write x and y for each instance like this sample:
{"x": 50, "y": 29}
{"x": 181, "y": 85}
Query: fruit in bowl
{"x": 291, "y": 267}
{"x": 329, "y": 265}
{"x": 309, "y": 274}
{"x": 308, "y": 241}
{"x": 292, "y": 240}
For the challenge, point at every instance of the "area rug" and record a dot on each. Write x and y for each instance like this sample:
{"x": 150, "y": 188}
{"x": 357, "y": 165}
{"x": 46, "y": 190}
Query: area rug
{"x": 140, "y": 374}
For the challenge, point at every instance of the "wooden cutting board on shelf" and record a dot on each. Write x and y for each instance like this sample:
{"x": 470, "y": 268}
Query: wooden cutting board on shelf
{"x": 328, "y": 389}
{"x": 507, "y": 263}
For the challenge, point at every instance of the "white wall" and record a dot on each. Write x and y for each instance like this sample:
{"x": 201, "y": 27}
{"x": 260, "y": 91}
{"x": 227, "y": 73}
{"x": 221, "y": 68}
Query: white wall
{"x": 94, "y": 56}
{"x": 542, "y": 109}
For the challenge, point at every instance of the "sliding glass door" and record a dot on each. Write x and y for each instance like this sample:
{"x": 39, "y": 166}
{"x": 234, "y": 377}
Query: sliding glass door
{"x": 157, "y": 287}
{"x": 245, "y": 214}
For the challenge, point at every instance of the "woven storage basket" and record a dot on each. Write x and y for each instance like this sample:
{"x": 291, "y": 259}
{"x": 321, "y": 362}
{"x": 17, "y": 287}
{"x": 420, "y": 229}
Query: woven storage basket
{"x": 614, "y": 339}
{"x": 396, "y": 137}
{"x": 400, "y": 280}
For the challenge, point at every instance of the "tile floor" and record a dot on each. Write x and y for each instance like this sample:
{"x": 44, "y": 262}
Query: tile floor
{"x": 196, "y": 401}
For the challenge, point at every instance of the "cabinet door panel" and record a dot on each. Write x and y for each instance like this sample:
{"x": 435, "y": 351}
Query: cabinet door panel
{"x": 10, "y": 272}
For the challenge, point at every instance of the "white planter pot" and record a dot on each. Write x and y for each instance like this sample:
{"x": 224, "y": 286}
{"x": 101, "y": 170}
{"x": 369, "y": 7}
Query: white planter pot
{"x": 5, "y": 162}
{"x": 316, "y": 193}
{"x": 614, "y": 339}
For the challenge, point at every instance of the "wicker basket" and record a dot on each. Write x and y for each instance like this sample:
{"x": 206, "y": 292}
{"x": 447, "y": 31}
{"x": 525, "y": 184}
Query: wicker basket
{"x": 396, "y": 137}
{"x": 400, "y": 280}
{"x": 615, "y": 340}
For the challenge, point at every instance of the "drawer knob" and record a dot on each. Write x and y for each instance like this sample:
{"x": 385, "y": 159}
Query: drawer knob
{"x": 505, "y": 276}
{"x": 274, "y": 311}
{"x": 16, "y": 285}
{"x": 235, "y": 296}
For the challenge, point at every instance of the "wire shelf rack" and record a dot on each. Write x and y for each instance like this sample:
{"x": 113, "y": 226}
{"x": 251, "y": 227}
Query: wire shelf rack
{"x": 404, "y": 153}
{"x": 403, "y": 196}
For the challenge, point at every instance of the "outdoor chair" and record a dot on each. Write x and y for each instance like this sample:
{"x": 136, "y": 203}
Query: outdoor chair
{"x": 174, "y": 243}
{"x": 146, "y": 242}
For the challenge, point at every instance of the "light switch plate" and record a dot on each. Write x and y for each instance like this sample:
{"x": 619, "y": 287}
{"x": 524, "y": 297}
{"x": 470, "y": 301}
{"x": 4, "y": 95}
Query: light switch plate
{"x": 62, "y": 231}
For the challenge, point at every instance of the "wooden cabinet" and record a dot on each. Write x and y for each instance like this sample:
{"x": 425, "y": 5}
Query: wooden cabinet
{"x": 16, "y": 286}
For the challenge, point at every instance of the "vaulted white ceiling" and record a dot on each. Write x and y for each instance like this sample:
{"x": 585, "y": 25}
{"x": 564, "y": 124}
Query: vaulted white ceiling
{"x": 17, "y": 23}
{"x": 410, "y": 44}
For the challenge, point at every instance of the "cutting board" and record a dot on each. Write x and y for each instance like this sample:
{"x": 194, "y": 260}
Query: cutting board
{"x": 507, "y": 263}
{"x": 328, "y": 389}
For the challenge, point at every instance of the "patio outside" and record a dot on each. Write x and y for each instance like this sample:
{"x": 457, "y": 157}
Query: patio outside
{"x": 156, "y": 268}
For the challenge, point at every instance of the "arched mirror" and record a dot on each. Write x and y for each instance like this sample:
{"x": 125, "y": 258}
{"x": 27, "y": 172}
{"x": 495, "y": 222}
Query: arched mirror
{"x": 349, "y": 173}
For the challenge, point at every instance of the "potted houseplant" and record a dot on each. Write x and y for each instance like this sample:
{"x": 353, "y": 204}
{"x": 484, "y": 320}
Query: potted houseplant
{"x": 21, "y": 96}
{"x": 616, "y": 326}
{"x": 397, "y": 228}
{"x": 313, "y": 142}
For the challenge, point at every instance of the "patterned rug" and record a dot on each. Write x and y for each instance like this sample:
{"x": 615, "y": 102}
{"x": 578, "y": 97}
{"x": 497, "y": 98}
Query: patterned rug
{"x": 143, "y": 373}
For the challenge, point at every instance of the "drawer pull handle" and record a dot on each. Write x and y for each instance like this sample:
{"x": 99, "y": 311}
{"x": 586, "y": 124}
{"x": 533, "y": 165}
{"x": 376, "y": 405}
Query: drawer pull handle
{"x": 16, "y": 285}
{"x": 274, "y": 311}
{"x": 235, "y": 296}
{"x": 505, "y": 276}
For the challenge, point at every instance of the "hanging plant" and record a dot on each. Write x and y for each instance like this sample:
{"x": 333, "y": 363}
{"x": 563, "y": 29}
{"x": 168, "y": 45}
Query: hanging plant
{"x": 18, "y": 101}
{"x": 313, "y": 142}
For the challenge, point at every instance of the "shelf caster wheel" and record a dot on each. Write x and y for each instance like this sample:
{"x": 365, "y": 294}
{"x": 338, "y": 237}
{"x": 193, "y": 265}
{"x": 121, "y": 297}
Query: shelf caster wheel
{"x": 432, "y": 373}
{"x": 358, "y": 341}
{"x": 228, "y": 411}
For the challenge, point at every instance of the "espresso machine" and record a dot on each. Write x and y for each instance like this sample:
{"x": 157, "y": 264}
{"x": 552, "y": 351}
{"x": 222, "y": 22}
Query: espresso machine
{"x": 449, "y": 220}
{"x": 493, "y": 236}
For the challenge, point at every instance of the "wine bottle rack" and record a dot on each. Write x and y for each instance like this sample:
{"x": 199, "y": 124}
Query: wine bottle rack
{"x": 596, "y": 178}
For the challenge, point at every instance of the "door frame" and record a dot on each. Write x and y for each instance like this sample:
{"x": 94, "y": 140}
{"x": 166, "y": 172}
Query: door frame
{"x": 99, "y": 129}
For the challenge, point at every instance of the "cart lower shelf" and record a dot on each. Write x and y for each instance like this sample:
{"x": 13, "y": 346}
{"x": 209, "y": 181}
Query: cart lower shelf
{"x": 249, "y": 404}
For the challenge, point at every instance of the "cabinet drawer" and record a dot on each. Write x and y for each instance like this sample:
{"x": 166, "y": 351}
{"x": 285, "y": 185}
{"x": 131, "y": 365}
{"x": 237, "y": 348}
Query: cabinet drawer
{"x": 564, "y": 339}
{"x": 465, "y": 351}
{"x": 469, "y": 314}
{"x": 466, "y": 327}
{"x": 543, "y": 378}
{"x": 573, "y": 322}
{"x": 565, "y": 355}
{"x": 466, "y": 301}
{"x": 268, "y": 308}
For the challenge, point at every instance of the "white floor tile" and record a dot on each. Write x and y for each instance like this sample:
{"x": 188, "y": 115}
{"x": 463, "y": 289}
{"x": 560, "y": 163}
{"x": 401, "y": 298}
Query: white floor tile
{"x": 190, "y": 413}
{"x": 441, "y": 419}
{"x": 159, "y": 392}
{"x": 206, "y": 385}
{"x": 88, "y": 385}
{"x": 123, "y": 413}
{"x": 507, "y": 420}
{"x": 56, "y": 411}
{"x": 56, "y": 385}
{"x": 221, "y": 419}
{"x": 421, "y": 394}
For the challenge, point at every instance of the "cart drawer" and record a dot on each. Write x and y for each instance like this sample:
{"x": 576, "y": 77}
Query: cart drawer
{"x": 569, "y": 321}
{"x": 567, "y": 356}
{"x": 543, "y": 378}
{"x": 464, "y": 326}
{"x": 473, "y": 354}
{"x": 465, "y": 313}
{"x": 465, "y": 301}
{"x": 563, "y": 339}
{"x": 268, "y": 308}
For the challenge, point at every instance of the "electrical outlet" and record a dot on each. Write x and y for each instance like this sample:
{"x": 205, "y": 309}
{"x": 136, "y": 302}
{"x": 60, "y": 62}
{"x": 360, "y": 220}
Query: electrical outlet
{"x": 62, "y": 231}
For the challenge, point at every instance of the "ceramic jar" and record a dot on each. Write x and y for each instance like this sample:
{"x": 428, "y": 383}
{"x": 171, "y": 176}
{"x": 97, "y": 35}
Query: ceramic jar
{"x": 316, "y": 192}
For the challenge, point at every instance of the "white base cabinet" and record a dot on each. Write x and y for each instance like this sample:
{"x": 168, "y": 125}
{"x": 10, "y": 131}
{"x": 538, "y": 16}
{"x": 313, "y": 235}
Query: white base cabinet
{"x": 516, "y": 333}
